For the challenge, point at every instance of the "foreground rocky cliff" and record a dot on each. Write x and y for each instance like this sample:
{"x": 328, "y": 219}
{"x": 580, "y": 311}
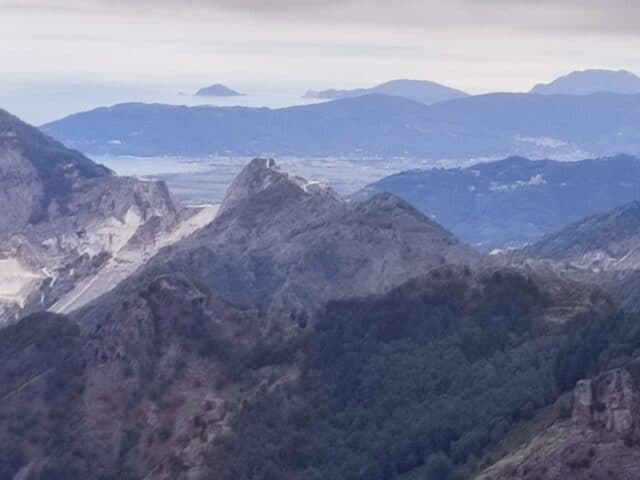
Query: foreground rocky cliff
{"x": 600, "y": 441}
{"x": 173, "y": 382}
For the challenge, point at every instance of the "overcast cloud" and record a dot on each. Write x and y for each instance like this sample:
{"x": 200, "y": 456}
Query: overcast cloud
{"x": 475, "y": 45}
{"x": 615, "y": 16}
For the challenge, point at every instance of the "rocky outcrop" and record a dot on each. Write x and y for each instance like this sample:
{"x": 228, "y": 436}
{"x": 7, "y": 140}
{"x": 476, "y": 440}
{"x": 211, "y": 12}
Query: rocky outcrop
{"x": 600, "y": 441}
{"x": 609, "y": 402}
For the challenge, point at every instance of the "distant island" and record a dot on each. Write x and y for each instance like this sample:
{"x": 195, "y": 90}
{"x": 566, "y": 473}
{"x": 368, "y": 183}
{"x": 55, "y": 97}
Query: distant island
{"x": 587, "y": 82}
{"x": 422, "y": 91}
{"x": 217, "y": 90}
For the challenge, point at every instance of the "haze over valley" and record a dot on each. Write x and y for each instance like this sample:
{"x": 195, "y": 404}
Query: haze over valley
{"x": 373, "y": 134}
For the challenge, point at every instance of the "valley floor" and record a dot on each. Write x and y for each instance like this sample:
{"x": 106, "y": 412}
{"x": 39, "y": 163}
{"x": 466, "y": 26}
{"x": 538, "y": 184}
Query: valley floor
{"x": 205, "y": 179}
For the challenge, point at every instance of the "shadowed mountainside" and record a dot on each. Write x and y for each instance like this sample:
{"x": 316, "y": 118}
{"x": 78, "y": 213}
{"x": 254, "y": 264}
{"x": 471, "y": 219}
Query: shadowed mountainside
{"x": 514, "y": 201}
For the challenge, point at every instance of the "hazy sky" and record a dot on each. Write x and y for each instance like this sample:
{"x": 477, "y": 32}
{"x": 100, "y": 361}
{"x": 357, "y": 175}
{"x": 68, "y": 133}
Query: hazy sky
{"x": 476, "y": 45}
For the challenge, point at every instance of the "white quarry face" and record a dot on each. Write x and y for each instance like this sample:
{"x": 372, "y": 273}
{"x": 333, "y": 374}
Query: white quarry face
{"x": 70, "y": 229}
{"x": 16, "y": 282}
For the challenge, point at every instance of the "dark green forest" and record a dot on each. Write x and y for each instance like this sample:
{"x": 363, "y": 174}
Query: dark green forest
{"x": 42, "y": 346}
{"x": 417, "y": 383}
{"x": 413, "y": 384}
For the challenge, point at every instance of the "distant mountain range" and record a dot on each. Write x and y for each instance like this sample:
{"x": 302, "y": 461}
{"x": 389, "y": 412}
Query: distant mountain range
{"x": 514, "y": 201}
{"x": 422, "y": 91}
{"x": 217, "y": 90}
{"x": 591, "y": 81}
{"x": 493, "y": 126}
{"x": 583, "y": 82}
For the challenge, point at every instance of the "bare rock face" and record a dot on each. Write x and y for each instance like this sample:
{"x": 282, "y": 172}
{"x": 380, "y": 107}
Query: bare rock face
{"x": 600, "y": 441}
{"x": 64, "y": 219}
{"x": 609, "y": 402}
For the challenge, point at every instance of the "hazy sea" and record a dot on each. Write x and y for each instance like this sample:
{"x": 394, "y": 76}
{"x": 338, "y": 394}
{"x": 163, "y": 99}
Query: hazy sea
{"x": 193, "y": 179}
{"x": 39, "y": 104}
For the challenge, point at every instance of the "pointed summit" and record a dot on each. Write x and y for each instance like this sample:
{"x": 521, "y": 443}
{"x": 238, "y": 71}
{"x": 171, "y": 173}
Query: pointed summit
{"x": 262, "y": 179}
{"x": 281, "y": 241}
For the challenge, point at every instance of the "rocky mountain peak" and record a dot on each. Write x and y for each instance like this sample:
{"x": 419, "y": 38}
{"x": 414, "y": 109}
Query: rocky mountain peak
{"x": 281, "y": 241}
{"x": 263, "y": 180}
{"x": 257, "y": 176}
